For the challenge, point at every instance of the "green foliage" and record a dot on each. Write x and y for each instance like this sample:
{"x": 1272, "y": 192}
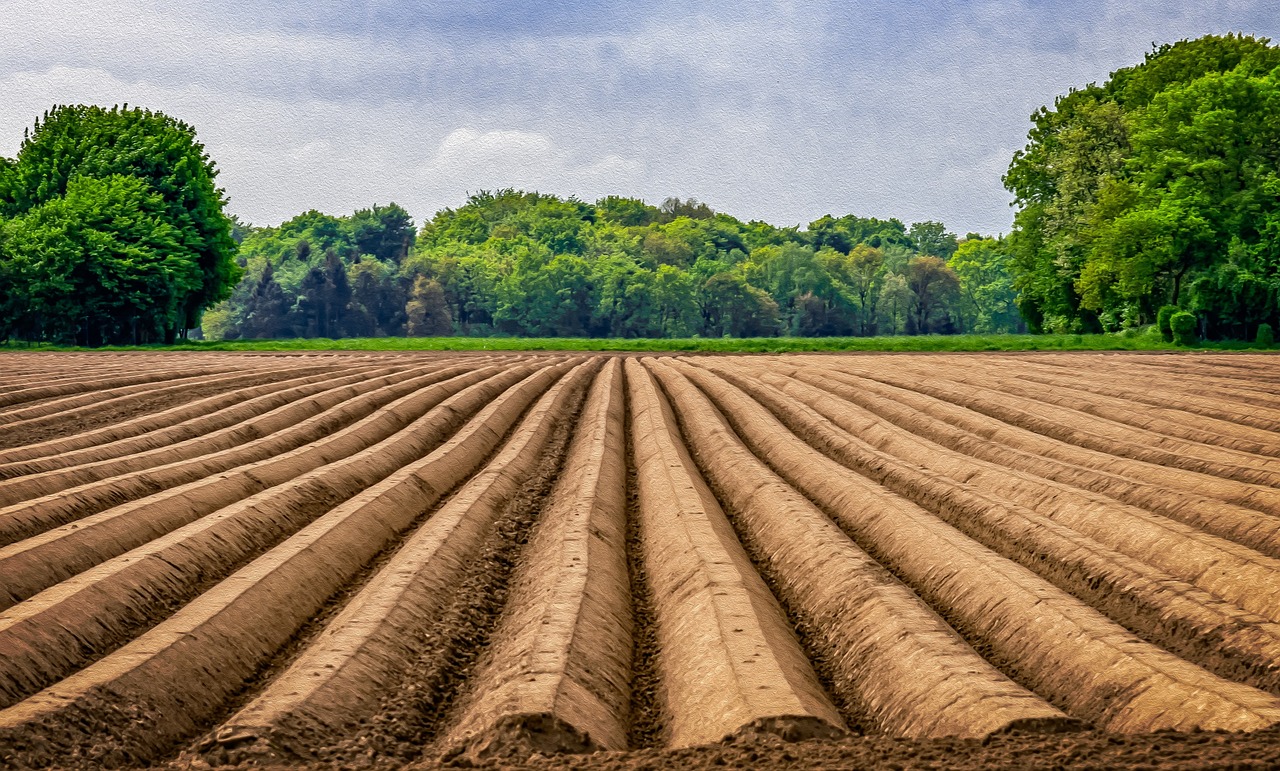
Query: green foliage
{"x": 1183, "y": 326}
{"x": 428, "y": 315}
{"x": 383, "y": 232}
{"x": 1266, "y": 336}
{"x": 932, "y": 239}
{"x": 1162, "y": 321}
{"x": 934, "y": 289}
{"x": 511, "y": 262}
{"x": 1157, "y": 187}
{"x": 628, "y": 212}
{"x": 989, "y": 302}
{"x": 99, "y": 264}
{"x": 80, "y": 142}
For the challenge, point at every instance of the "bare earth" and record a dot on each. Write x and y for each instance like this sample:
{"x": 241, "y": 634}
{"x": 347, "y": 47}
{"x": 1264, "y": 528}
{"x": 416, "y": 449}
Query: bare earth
{"x": 554, "y": 561}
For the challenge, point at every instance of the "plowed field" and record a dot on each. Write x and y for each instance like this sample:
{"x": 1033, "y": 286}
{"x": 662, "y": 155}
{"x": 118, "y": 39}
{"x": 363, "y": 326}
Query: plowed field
{"x": 931, "y": 561}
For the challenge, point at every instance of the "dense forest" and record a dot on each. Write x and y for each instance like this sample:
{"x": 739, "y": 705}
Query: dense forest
{"x": 1151, "y": 198}
{"x": 518, "y": 263}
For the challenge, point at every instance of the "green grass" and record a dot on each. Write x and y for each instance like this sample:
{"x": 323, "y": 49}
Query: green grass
{"x": 1141, "y": 341}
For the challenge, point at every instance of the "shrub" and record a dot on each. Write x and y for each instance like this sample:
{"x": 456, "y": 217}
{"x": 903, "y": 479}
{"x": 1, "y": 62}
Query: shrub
{"x": 1183, "y": 327}
{"x": 1266, "y": 336}
{"x": 1162, "y": 321}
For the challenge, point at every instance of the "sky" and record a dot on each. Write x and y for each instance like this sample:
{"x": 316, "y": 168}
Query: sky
{"x": 780, "y": 111}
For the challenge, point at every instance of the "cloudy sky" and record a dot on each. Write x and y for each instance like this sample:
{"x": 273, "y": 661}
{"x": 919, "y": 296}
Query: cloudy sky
{"x": 781, "y": 111}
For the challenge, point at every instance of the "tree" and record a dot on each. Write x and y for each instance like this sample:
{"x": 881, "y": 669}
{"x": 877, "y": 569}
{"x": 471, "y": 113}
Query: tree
{"x": 264, "y": 311}
{"x": 732, "y": 307}
{"x": 377, "y": 302}
{"x": 99, "y": 264}
{"x": 323, "y": 298}
{"x": 673, "y": 208}
{"x": 895, "y": 302}
{"x": 932, "y": 239}
{"x": 866, "y": 270}
{"x": 427, "y": 311}
{"x": 1158, "y": 186}
{"x": 933, "y": 288}
{"x": 673, "y": 300}
{"x": 384, "y": 232}
{"x": 629, "y": 212}
{"x": 78, "y": 142}
{"x": 989, "y": 302}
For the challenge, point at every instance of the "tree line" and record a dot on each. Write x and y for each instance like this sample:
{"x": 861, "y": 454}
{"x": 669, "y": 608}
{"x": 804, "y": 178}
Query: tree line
{"x": 510, "y": 262}
{"x": 1151, "y": 199}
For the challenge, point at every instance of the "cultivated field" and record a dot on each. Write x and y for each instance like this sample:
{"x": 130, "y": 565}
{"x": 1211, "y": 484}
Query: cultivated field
{"x": 354, "y": 557}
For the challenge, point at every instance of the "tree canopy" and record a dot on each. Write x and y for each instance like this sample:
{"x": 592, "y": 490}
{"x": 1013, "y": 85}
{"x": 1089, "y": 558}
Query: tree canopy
{"x": 1157, "y": 187}
{"x": 113, "y": 229}
{"x": 510, "y": 262}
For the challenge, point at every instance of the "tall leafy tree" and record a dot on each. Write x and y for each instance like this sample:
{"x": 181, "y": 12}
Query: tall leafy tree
{"x": 988, "y": 300}
{"x": 383, "y": 232}
{"x": 866, "y": 269}
{"x": 629, "y": 212}
{"x": 427, "y": 311}
{"x": 932, "y": 239}
{"x": 76, "y": 142}
{"x": 264, "y": 311}
{"x": 1155, "y": 187}
{"x": 99, "y": 264}
{"x": 934, "y": 287}
{"x": 896, "y": 301}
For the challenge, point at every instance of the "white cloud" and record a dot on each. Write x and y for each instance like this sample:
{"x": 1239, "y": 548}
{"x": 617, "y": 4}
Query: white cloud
{"x": 472, "y": 160}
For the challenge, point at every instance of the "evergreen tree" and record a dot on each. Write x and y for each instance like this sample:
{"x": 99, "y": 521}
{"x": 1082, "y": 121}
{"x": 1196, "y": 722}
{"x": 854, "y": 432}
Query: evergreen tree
{"x": 265, "y": 309}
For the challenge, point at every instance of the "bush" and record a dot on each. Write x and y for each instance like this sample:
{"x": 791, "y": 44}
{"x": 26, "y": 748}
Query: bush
{"x": 1266, "y": 336}
{"x": 1183, "y": 327}
{"x": 1162, "y": 321}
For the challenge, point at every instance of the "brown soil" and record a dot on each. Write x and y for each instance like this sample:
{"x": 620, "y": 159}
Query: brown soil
{"x": 56, "y": 427}
{"x": 875, "y": 547}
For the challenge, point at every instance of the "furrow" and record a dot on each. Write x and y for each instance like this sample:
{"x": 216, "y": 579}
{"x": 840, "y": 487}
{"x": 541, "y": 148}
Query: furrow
{"x": 1078, "y": 429}
{"x": 355, "y": 414}
{"x": 1241, "y": 370}
{"x": 59, "y": 630}
{"x": 207, "y": 414}
{"x": 558, "y": 676}
{"x": 909, "y": 672}
{"x": 363, "y": 652}
{"x": 1155, "y": 603}
{"x": 1050, "y": 641}
{"x": 1260, "y": 412}
{"x": 932, "y": 475}
{"x": 87, "y": 403}
{"x": 1160, "y": 421}
{"x": 179, "y": 674}
{"x": 252, "y": 418}
{"x": 100, "y": 386}
{"x": 729, "y": 662}
{"x": 259, "y": 419}
{"x": 997, "y": 432}
{"x": 1248, "y": 527}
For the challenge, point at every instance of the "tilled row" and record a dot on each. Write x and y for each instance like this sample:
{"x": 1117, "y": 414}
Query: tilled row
{"x": 333, "y": 423}
{"x": 156, "y": 429}
{"x": 825, "y": 544}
